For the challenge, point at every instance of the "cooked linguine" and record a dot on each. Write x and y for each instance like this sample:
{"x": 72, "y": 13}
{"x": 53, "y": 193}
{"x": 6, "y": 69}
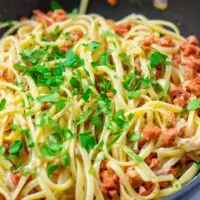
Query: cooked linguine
{"x": 96, "y": 109}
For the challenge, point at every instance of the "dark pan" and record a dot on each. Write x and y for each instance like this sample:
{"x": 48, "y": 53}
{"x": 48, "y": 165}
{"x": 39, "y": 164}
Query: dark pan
{"x": 184, "y": 13}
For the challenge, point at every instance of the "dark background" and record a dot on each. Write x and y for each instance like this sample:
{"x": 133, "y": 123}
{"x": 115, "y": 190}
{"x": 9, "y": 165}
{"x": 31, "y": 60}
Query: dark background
{"x": 184, "y": 13}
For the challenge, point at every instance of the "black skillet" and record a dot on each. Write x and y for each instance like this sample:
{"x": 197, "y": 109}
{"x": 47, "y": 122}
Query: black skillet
{"x": 184, "y": 13}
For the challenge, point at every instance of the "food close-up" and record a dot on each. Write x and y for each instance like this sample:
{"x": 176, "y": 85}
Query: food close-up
{"x": 93, "y": 108}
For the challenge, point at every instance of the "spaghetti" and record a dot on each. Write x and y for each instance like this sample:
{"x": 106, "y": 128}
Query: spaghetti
{"x": 96, "y": 109}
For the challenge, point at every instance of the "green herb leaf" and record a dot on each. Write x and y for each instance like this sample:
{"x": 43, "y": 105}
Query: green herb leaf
{"x": 55, "y": 5}
{"x": 66, "y": 160}
{"x": 84, "y": 116}
{"x": 119, "y": 119}
{"x": 60, "y": 105}
{"x": 73, "y": 60}
{"x": 99, "y": 145}
{"x": 168, "y": 124}
{"x": 135, "y": 137}
{"x": 2, "y": 150}
{"x": 2, "y": 104}
{"x": 165, "y": 91}
{"x": 134, "y": 94}
{"x": 51, "y": 148}
{"x": 126, "y": 59}
{"x": 88, "y": 142}
{"x": 74, "y": 13}
{"x": 15, "y": 148}
{"x": 194, "y": 105}
{"x": 52, "y": 98}
{"x": 112, "y": 142}
{"x": 158, "y": 58}
{"x": 52, "y": 168}
{"x": 94, "y": 45}
{"x": 146, "y": 83}
{"x": 86, "y": 94}
{"x": 97, "y": 121}
{"x": 109, "y": 34}
{"x": 104, "y": 60}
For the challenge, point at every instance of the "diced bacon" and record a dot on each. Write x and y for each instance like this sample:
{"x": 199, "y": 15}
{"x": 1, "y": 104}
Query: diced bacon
{"x": 155, "y": 164}
{"x": 153, "y": 161}
{"x": 110, "y": 94}
{"x": 179, "y": 96}
{"x": 2, "y": 197}
{"x": 109, "y": 181}
{"x": 16, "y": 178}
{"x": 23, "y": 19}
{"x": 45, "y": 106}
{"x": 66, "y": 46}
{"x": 113, "y": 194}
{"x": 148, "y": 41}
{"x": 121, "y": 29}
{"x": 193, "y": 86}
{"x": 168, "y": 137}
{"x": 76, "y": 35}
{"x": 192, "y": 40}
{"x": 146, "y": 189}
{"x": 135, "y": 180}
{"x": 173, "y": 171}
{"x": 166, "y": 41}
{"x": 190, "y": 50}
{"x": 103, "y": 165}
{"x": 40, "y": 17}
{"x": 170, "y": 120}
{"x": 176, "y": 59}
{"x": 112, "y": 2}
{"x": 164, "y": 184}
{"x": 57, "y": 15}
{"x": 151, "y": 132}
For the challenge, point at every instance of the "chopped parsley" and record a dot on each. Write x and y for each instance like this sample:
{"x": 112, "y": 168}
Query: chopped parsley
{"x": 74, "y": 13}
{"x": 55, "y": 5}
{"x": 84, "y": 116}
{"x": 87, "y": 94}
{"x": 126, "y": 59}
{"x": 52, "y": 168}
{"x": 87, "y": 141}
{"x": 60, "y": 105}
{"x": 158, "y": 58}
{"x": 73, "y": 60}
{"x": 52, "y": 148}
{"x": 2, "y": 150}
{"x": 193, "y": 105}
{"x": 120, "y": 120}
{"x": 52, "y": 98}
{"x": 97, "y": 121}
{"x": 2, "y": 104}
{"x": 66, "y": 160}
{"x": 94, "y": 45}
{"x": 15, "y": 148}
{"x": 168, "y": 123}
{"x": 104, "y": 60}
{"x": 135, "y": 137}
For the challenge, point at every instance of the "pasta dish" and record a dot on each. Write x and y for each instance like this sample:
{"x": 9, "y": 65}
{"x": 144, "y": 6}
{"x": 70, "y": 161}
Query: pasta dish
{"x": 96, "y": 109}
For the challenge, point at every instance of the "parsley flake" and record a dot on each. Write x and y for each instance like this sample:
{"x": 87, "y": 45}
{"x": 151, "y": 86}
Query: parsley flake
{"x": 2, "y": 104}
{"x": 88, "y": 141}
{"x": 73, "y": 60}
{"x": 194, "y": 105}
{"x": 15, "y": 148}
{"x": 120, "y": 120}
